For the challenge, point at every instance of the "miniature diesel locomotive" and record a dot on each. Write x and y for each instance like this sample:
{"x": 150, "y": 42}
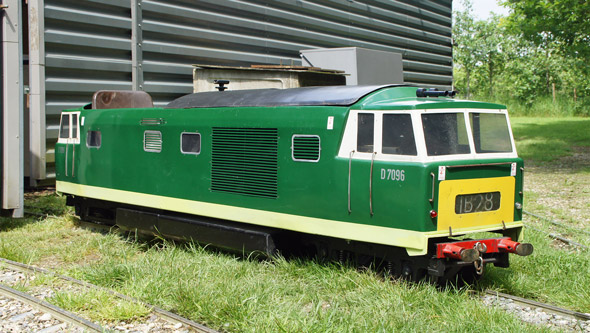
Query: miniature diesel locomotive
{"x": 396, "y": 174}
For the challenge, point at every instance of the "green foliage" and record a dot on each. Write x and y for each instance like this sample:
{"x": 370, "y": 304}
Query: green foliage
{"x": 478, "y": 48}
{"x": 496, "y": 60}
{"x": 562, "y": 22}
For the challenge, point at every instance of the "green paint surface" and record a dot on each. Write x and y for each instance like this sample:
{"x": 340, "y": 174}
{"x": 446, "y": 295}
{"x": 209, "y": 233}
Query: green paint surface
{"x": 312, "y": 189}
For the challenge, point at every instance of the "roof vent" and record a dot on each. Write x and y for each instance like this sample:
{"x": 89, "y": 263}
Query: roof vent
{"x": 433, "y": 92}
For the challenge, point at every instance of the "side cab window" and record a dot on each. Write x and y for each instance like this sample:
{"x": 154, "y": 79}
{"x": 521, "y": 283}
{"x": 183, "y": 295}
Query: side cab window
{"x": 69, "y": 128}
{"x": 365, "y": 133}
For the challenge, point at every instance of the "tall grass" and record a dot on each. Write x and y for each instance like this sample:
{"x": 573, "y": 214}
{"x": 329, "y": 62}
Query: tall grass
{"x": 542, "y": 106}
{"x": 233, "y": 293}
{"x": 239, "y": 294}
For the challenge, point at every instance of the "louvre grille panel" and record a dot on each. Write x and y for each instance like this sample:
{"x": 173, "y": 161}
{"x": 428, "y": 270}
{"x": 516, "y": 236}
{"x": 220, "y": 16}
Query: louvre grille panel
{"x": 306, "y": 148}
{"x": 244, "y": 161}
{"x": 152, "y": 141}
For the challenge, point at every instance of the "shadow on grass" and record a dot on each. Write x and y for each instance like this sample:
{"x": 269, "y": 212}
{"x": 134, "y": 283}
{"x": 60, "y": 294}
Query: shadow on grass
{"x": 8, "y": 223}
{"x": 38, "y": 206}
{"x": 553, "y": 142}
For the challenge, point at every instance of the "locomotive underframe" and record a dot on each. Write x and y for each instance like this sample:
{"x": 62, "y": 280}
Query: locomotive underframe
{"x": 246, "y": 238}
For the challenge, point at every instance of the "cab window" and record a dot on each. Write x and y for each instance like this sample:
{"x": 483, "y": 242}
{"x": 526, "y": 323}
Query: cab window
{"x": 74, "y": 125}
{"x": 445, "y": 134}
{"x": 365, "y": 131}
{"x": 64, "y": 128}
{"x": 69, "y": 128}
{"x": 398, "y": 135}
{"x": 490, "y": 133}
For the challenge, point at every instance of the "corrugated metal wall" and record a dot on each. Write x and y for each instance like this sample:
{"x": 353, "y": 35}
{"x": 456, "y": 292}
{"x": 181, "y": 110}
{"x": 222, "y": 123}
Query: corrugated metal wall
{"x": 88, "y": 44}
{"x": 87, "y": 48}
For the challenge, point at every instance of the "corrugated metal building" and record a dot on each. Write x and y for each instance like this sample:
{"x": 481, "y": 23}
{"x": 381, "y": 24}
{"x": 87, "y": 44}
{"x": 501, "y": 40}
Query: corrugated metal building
{"x": 77, "y": 47}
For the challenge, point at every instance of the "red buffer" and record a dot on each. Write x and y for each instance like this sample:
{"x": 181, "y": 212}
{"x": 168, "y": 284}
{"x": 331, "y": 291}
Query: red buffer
{"x": 470, "y": 250}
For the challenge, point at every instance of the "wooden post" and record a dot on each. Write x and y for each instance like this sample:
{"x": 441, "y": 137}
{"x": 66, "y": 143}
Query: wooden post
{"x": 575, "y": 95}
{"x": 553, "y": 88}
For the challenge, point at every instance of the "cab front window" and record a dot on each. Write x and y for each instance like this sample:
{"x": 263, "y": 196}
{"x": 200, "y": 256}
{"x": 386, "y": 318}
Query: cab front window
{"x": 490, "y": 133}
{"x": 445, "y": 134}
{"x": 398, "y": 135}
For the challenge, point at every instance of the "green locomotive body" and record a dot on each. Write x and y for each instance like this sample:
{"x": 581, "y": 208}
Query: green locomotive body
{"x": 376, "y": 166}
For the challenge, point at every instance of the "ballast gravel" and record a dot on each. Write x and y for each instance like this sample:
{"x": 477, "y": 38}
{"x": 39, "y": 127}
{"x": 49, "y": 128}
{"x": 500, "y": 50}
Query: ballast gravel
{"x": 17, "y": 316}
{"x": 538, "y": 316}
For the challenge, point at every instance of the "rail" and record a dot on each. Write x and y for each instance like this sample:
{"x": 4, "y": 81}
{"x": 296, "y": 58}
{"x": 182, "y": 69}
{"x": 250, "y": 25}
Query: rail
{"x": 548, "y": 307}
{"x": 166, "y": 315}
{"x": 61, "y": 314}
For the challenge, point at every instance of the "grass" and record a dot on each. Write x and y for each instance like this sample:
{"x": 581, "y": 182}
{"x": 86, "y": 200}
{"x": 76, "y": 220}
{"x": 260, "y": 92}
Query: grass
{"x": 98, "y": 305}
{"x": 554, "y": 273}
{"x": 233, "y": 293}
{"x": 239, "y": 294}
{"x": 547, "y": 139}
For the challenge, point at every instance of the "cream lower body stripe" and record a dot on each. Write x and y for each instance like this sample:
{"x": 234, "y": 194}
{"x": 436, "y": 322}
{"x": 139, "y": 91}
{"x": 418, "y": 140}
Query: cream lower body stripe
{"x": 415, "y": 242}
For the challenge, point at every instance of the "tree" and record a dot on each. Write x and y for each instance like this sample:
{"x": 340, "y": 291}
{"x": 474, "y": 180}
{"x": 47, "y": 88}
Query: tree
{"x": 563, "y": 22}
{"x": 491, "y": 48}
{"x": 477, "y": 47}
{"x": 465, "y": 44}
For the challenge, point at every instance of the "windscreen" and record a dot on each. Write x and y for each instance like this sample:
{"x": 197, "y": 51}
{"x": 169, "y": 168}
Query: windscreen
{"x": 490, "y": 133}
{"x": 445, "y": 134}
{"x": 398, "y": 135}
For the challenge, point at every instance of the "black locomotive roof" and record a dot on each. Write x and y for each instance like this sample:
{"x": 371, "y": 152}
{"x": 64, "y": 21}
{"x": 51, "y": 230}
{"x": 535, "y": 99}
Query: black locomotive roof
{"x": 308, "y": 96}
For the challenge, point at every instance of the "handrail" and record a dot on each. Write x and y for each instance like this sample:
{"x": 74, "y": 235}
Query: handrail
{"x": 432, "y": 196}
{"x": 66, "y": 157}
{"x": 371, "y": 184}
{"x": 349, "y": 172}
{"x": 73, "y": 159}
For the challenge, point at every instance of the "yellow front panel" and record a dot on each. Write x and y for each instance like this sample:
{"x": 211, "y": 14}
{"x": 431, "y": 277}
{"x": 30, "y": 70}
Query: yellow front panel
{"x": 450, "y": 189}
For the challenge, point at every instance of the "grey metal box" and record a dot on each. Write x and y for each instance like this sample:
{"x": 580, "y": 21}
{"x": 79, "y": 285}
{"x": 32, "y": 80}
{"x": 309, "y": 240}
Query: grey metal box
{"x": 364, "y": 66}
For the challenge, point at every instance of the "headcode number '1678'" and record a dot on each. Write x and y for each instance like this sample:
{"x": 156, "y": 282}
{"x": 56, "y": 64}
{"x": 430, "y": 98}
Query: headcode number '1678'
{"x": 393, "y": 174}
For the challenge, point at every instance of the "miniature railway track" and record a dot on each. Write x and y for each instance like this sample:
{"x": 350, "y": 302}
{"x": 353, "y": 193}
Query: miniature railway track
{"x": 547, "y": 307}
{"x": 74, "y": 319}
{"x": 59, "y": 313}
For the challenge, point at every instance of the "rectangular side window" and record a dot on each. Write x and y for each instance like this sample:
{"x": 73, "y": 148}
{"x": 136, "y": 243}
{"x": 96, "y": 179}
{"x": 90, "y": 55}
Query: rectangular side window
{"x": 93, "y": 139}
{"x": 190, "y": 143}
{"x": 152, "y": 141}
{"x": 64, "y": 128}
{"x": 74, "y": 126}
{"x": 364, "y": 138}
{"x": 398, "y": 135}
